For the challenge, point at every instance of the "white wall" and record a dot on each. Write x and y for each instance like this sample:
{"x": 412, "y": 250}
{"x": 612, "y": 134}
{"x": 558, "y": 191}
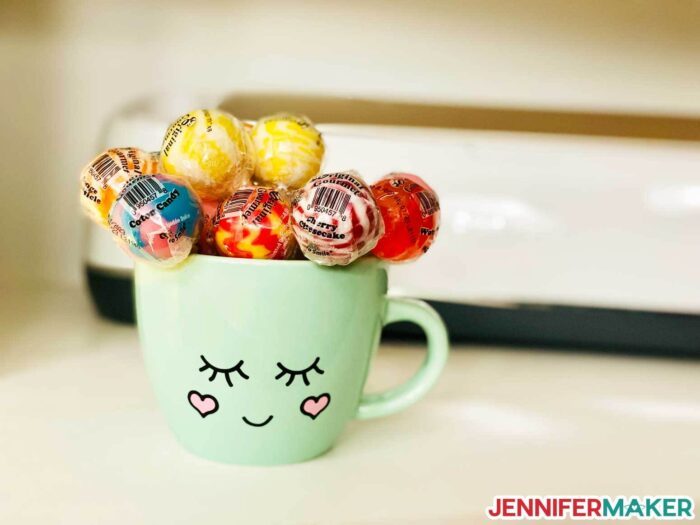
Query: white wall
{"x": 66, "y": 65}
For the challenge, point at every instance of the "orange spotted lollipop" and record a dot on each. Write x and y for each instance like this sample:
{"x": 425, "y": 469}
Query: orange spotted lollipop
{"x": 107, "y": 174}
{"x": 253, "y": 223}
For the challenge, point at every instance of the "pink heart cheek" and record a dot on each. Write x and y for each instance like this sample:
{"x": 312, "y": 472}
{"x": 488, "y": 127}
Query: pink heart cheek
{"x": 205, "y": 405}
{"x": 314, "y": 406}
{"x": 311, "y": 407}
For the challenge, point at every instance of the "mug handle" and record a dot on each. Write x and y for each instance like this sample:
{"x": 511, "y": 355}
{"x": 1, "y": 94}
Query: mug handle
{"x": 398, "y": 398}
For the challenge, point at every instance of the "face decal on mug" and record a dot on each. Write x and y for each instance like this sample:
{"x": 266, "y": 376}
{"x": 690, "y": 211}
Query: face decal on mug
{"x": 226, "y": 372}
{"x": 304, "y": 374}
{"x": 313, "y": 406}
{"x": 232, "y": 321}
{"x": 204, "y": 404}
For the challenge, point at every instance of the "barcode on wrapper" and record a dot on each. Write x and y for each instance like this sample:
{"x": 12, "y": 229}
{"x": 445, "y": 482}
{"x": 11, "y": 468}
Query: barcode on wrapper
{"x": 336, "y": 200}
{"x": 105, "y": 168}
{"x": 142, "y": 190}
{"x": 237, "y": 201}
{"x": 428, "y": 203}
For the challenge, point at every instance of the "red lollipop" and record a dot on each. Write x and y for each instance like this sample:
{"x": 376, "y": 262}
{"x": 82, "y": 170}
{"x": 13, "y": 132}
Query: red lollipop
{"x": 207, "y": 244}
{"x": 411, "y": 214}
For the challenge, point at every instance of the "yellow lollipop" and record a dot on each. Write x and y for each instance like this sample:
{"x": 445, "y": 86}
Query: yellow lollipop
{"x": 211, "y": 150}
{"x": 288, "y": 150}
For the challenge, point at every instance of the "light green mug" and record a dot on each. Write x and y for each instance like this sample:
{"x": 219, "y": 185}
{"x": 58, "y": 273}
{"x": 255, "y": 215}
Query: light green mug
{"x": 263, "y": 362}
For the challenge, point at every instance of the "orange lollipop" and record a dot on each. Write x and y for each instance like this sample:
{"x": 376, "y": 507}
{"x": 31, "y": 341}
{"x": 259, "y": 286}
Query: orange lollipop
{"x": 253, "y": 223}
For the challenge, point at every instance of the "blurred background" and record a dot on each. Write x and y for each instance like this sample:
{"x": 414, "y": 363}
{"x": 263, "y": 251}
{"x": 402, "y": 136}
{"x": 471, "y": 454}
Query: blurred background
{"x": 552, "y": 109}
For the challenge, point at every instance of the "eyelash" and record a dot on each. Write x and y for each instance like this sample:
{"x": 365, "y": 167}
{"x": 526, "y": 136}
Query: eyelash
{"x": 294, "y": 373}
{"x": 226, "y": 371}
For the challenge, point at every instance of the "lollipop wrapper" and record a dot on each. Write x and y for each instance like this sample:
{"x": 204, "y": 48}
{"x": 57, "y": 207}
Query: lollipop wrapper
{"x": 104, "y": 177}
{"x": 411, "y": 213}
{"x": 254, "y": 224}
{"x": 288, "y": 148}
{"x": 211, "y": 150}
{"x": 156, "y": 219}
{"x": 335, "y": 218}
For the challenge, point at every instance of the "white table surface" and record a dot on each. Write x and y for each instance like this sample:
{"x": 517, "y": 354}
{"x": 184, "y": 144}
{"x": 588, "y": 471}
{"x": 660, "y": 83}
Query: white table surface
{"x": 82, "y": 441}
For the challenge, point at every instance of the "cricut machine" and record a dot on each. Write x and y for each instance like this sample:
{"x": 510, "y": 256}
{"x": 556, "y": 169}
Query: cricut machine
{"x": 548, "y": 236}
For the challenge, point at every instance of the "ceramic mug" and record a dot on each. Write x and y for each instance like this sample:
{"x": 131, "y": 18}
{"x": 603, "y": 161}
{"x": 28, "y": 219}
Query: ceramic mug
{"x": 263, "y": 362}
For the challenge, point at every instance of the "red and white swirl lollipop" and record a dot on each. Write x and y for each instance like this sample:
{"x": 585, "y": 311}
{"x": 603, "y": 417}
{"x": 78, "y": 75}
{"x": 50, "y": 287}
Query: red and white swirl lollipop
{"x": 335, "y": 218}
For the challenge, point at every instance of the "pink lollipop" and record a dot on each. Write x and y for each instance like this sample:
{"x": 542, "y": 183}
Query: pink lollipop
{"x": 335, "y": 218}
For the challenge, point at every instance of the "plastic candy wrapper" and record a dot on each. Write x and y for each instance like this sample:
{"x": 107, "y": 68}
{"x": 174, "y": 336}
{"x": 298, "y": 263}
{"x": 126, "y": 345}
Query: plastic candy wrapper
{"x": 156, "y": 217}
{"x": 288, "y": 149}
{"x": 411, "y": 214}
{"x": 211, "y": 150}
{"x": 253, "y": 223}
{"x": 336, "y": 219}
{"x": 105, "y": 176}
{"x": 207, "y": 243}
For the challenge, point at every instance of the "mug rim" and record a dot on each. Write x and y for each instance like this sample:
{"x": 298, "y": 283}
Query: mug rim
{"x": 234, "y": 261}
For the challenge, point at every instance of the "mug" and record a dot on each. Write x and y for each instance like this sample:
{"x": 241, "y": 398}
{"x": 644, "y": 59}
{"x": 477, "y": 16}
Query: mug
{"x": 263, "y": 362}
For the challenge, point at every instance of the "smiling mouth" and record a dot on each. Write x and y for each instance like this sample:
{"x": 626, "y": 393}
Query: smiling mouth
{"x": 269, "y": 418}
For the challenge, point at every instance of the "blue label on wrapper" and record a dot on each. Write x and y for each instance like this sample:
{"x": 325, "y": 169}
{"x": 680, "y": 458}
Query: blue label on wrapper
{"x": 156, "y": 217}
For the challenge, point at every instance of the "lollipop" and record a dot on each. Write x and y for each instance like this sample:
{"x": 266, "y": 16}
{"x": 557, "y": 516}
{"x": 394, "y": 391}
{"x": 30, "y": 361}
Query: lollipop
{"x": 209, "y": 149}
{"x": 335, "y": 218}
{"x": 253, "y": 223}
{"x": 411, "y": 214}
{"x": 288, "y": 150}
{"x": 105, "y": 176}
{"x": 156, "y": 218}
{"x": 207, "y": 244}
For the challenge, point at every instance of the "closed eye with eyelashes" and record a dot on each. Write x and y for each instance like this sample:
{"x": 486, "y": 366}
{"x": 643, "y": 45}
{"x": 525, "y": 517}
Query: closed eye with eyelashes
{"x": 215, "y": 370}
{"x": 293, "y": 374}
